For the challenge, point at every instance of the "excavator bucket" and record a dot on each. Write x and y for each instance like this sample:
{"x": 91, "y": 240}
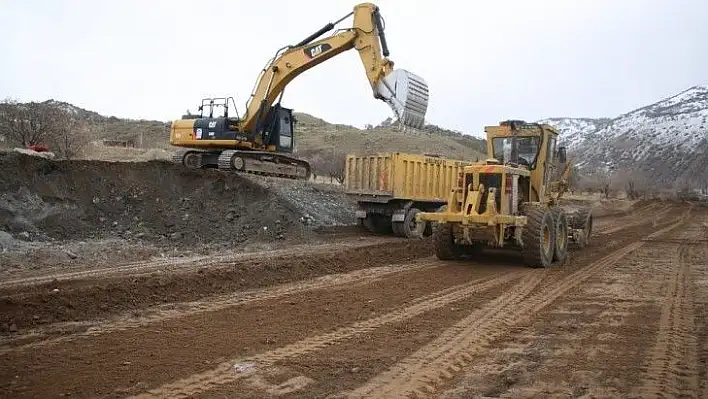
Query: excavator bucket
{"x": 407, "y": 94}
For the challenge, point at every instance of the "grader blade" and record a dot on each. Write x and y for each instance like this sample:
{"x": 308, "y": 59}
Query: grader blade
{"x": 407, "y": 94}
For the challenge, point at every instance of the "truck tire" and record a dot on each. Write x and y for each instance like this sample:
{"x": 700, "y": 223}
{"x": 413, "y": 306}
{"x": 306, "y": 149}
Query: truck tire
{"x": 397, "y": 228}
{"x": 444, "y": 242}
{"x": 368, "y": 223}
{"x": 538, "y": 236}
{"x": 411, "y": 228}
{"x": 377, "y": 224}
{"x": 560, "y": 253}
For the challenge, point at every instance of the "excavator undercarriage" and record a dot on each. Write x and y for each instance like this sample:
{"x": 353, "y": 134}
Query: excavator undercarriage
{"x": 254, "y": 162}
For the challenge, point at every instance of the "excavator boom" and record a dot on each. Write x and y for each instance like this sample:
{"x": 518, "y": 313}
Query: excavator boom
{"x": 406, "y": 93}
{"x": 258, "y": 141}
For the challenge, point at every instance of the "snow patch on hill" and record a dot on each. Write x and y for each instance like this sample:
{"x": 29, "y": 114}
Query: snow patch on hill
{"x": 667, "y": 141}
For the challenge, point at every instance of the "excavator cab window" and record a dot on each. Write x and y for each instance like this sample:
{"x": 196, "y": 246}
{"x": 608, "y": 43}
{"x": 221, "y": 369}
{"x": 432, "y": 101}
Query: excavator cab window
{"x": 286, "y": 132}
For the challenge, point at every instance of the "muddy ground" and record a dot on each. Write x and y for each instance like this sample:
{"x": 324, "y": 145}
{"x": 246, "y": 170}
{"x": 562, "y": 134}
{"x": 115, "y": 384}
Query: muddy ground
{"x": 355, "y": 315}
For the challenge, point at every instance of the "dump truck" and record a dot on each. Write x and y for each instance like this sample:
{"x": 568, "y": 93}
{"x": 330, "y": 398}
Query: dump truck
{"x": 512, "y": 200}
{"x": 391, "y": 188}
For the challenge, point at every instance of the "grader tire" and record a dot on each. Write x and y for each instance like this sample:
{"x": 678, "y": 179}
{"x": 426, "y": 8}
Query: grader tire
{"x": 444, "y": 242}
{"x": 583, "y": 221}
{"x": 586, "y": 215}
{"x": 560, "y": 219}
{"x": 538, "y": 237}
{"x": 411, "y": 228}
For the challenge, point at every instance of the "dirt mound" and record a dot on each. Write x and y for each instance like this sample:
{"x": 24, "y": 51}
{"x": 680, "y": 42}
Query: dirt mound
{"x": 42, "y": 199}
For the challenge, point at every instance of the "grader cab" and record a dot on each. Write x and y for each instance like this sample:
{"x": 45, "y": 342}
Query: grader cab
{"x": 512, "y": 200}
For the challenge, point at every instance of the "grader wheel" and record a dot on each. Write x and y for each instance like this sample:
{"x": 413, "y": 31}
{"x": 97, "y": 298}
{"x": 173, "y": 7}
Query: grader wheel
{"x": 539, "y": 236}
{"x": 583, "y": 221}
{"x": 560, "y": 254}
{"x": 444, "y": 243}
{"x": 411, "y": 228}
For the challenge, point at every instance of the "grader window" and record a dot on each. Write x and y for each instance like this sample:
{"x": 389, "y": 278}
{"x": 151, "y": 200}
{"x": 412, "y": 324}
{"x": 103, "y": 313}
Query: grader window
{"x": 527, "y": 148}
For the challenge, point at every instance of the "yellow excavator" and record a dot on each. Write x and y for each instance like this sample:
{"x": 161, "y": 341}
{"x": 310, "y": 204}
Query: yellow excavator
{"x": 259, "y": 141}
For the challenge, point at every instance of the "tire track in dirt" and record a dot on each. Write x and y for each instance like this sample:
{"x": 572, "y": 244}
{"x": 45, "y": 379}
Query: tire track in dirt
{"x": 440, "y": 360}
{"x": 605, "y": 222}
{"x": 224, "y": 373}
{"x": 672, "y": 366}
{"x": 590, "y": 343}
{"x": 82, "y": 300}
{"x": 177, "y": 310}
{"x": 191, "y": 263}
{"x": 639, "y": 218}
{"x": 700, "y": 263}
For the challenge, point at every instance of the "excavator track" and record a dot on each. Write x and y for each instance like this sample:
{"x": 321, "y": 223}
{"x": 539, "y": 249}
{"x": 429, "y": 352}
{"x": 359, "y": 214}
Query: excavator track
{"x": 265, "y": 164}
{"x": 253, "y": 162}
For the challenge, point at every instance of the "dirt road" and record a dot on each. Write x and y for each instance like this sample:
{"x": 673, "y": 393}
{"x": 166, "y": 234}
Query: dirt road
{"x": 375, "y": 317}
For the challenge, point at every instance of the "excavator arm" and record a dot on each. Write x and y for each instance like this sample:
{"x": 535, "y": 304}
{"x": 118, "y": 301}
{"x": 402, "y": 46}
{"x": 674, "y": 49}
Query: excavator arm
{"x": 406, "y": 93}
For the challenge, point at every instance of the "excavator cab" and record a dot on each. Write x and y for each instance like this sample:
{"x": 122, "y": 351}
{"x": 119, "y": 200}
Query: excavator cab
{"x": 278, "y": 128}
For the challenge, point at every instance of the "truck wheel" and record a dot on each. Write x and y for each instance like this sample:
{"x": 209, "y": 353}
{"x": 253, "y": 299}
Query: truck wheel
{"x": 444, "y": 242}
{"x": 538, "y": 236}
{"x": 376, "y": 223}
{"x": 411, "y": 228}
{"x": 560, "y": 254}
{"x": 397, "y": 228}
{"x": 369, "y": 223}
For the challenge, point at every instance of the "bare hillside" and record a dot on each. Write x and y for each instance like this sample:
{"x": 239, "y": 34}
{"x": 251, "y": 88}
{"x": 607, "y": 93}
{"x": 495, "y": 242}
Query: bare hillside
{"x": 316, "y": 139}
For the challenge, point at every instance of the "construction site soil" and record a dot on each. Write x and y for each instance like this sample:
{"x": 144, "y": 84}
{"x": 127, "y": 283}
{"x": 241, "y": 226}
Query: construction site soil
{"x": 93, "y": 199}
{"x": 57, "y": 214}
{"x": 362, "y": 316}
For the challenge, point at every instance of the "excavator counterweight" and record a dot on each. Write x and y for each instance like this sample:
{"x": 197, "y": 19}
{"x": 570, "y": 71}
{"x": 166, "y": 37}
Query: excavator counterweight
{"x": 259, "y": 141}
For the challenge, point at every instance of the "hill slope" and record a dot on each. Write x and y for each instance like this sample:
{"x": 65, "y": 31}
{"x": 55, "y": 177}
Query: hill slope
{"x": 666, "y": 142}
{"x": 315, "y": 138}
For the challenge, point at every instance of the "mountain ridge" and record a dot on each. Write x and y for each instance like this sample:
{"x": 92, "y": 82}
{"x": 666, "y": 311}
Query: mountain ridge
{"x": 665, "y": 142}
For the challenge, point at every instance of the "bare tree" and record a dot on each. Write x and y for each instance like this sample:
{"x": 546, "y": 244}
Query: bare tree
{"x": 632, "y": 181}
{"x": 69, "y": 137}
{"x": 603, "y": 181}
{"x": 336, "y": 162}
{"x": 27, "y": 124}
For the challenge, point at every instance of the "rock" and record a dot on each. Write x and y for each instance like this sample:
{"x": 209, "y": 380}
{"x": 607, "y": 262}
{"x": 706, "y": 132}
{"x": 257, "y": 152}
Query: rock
{"x": 13, "y": 327}
{"x": 176, "y": 235}
{"x": 70, "y": 254}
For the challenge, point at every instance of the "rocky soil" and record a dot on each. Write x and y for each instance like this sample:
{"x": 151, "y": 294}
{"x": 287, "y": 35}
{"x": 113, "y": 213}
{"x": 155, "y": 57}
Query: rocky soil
{"x": 54, "y": 212}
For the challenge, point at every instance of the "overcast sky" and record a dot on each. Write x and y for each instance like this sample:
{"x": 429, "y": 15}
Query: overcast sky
{"x": 484, "y": 61}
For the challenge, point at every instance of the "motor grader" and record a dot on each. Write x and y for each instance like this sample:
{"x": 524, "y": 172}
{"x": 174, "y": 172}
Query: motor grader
{"x": 512, "y": 200}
